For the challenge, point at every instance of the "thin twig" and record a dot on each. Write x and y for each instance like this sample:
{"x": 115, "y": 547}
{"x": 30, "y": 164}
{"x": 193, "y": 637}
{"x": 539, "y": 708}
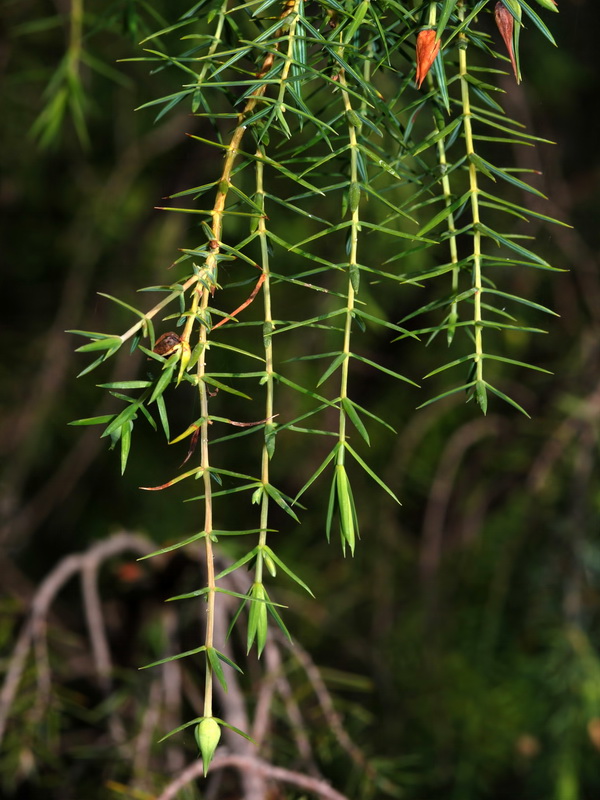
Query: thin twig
{"x": 95, "y": 623}
{"x": 298, "y": 725}
{"x": 441, "y": 490}
{"x": 43, "y": 673}
{"x": 172, "y": 685}
{"x": 334, "y": 719}
{"x": 42, "y": 601}
{"x": 561, "y": 439}
{"x": 266, "y": 691}
{"x": 145, "y": 739}
{"x": 315, "y": 786}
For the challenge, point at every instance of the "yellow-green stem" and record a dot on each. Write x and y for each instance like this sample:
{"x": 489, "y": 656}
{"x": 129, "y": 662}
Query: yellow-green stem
{"x": 208, "y": 517}
{"x": 443, "y": 162}
{"x": 213, "y": 45}
{"x": 474, "y": 191}
{"x": 199, "y": 307}
{"x": 352, "y": 264}
{"x": 291, "y": 8}
{"x": 75, "y": 35}
{"x": 268, "y": 322}
{"x": 432, "y": 15}
{"x": 158, "y": 307}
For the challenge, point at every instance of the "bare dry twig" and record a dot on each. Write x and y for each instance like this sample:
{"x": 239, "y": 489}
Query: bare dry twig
{"x": 334, "y": 719}
{"x": 315, "y": 786}
{"x": 441, "y": 490}
{"x": 34, "y": 628}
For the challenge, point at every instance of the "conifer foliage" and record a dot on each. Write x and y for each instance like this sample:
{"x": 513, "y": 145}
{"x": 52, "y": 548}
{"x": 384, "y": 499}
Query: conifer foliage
{"x": 352, "y": 151}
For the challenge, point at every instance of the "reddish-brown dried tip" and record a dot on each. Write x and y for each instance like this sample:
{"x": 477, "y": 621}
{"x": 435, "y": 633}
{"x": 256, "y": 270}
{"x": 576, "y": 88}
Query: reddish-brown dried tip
{"x": 506, "y": 23}
{"x": 427, "y": 50}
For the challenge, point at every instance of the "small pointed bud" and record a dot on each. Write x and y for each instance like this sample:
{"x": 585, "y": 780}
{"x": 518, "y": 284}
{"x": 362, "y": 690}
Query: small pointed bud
{"x": 207, "y": 733}
{"x": 452, "y": 320}
{"x": 551, "y": 5}
{"x": 427, "y": 49}
{"x": 270, "y": 565}
{"x": 354, "y": 196}
{"x": 506, "y": 24}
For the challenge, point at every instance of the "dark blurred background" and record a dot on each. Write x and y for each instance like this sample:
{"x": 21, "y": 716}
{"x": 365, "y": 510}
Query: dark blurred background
{"x": 461, "y": 644}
